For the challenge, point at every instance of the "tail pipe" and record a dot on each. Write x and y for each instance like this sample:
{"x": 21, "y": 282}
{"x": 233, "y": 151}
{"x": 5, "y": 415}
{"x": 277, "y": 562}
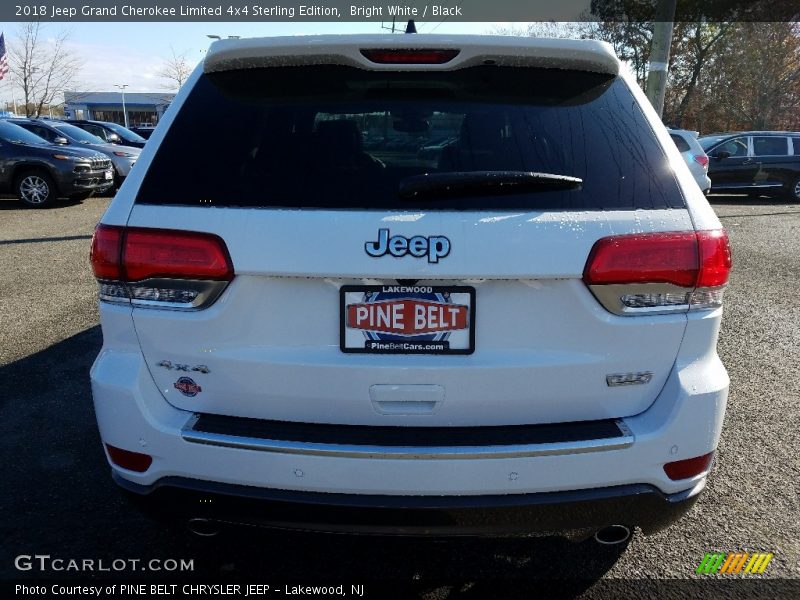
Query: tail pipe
{"x": 612, "y": 535}
{"x": 203, "y": 527}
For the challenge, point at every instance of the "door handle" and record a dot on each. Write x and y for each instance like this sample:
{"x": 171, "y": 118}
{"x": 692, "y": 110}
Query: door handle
{"x": 748, "y": 161}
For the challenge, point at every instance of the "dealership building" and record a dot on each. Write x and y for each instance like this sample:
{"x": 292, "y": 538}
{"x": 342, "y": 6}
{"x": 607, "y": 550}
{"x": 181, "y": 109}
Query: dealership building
{"x": 143, "y": 108}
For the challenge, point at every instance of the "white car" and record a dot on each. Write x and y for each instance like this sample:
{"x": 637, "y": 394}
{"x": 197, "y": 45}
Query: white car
{"x": 321, "y": 329}
{"x": 694, "y": 156}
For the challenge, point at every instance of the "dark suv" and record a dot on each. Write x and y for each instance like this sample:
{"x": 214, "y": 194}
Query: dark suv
{"x": 110, "y": 132}
{"x": 756, "y": 162}
{"x": 38, "y": 173}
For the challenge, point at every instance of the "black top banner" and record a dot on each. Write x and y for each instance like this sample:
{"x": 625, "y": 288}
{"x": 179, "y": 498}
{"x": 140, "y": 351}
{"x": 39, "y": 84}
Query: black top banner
{"x": 401, "y": 11}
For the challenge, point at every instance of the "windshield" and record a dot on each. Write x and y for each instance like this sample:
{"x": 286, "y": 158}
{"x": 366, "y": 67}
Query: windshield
{"x": 340, "y": 137}
{"x": 125, "y": 134}
{"x": 10, "y": 132}
{"x": 78, "y": 134}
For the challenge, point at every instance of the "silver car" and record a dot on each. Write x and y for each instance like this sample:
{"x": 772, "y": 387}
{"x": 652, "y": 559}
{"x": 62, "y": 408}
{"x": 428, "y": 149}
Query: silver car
{"x": 694, "y": 155}
{"x": 58, "y": 132}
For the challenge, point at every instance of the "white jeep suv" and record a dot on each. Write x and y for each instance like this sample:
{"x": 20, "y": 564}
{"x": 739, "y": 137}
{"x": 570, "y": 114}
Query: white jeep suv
{"x": 422, "y": 284}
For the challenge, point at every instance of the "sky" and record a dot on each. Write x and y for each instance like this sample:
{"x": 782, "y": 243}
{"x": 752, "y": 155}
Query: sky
{"x": 133, "y": 53}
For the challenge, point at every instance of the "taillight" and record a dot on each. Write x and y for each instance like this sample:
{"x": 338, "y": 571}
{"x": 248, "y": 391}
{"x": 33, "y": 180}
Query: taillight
{"x": 702, "y": 160}
{"x": 105, "y": 254}
{"x": 659, "y": 272}
{"x": 160, "y": 267}
{"x": 133, "y": 461}
{"x": 689, "y": 467}
{"x": 175, "y": 254}
{"x": 410, "y": 57}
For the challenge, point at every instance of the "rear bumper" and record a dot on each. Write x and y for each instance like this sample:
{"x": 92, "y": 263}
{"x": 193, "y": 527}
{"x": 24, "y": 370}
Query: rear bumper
{"x": 578, "y": 511}
{"x": 560, "y": 479}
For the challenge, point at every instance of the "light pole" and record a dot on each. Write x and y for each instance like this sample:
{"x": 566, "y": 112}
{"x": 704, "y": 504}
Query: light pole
{"x": 124, "y": 110}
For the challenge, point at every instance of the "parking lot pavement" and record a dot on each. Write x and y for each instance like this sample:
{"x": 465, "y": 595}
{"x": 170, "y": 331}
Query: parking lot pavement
{"x": 47, "y": 291}
{"x": 57, "y": 497}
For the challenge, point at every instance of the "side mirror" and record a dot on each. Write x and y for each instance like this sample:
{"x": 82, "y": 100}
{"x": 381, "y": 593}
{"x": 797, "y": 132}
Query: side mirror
{"x": 61, "y": 141}
{"x": 112, "y": 138}
{"x": 721, "y": 154}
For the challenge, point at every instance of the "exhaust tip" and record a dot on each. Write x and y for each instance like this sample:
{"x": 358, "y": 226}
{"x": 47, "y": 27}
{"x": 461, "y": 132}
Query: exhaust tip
{"x": 203, "y": 527}
{"x": 612, "y": 535}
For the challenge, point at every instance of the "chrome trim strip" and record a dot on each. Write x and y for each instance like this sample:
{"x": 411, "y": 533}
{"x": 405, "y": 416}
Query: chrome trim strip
{"x": 744, "y": 186}
{"x": 407, "y": 452}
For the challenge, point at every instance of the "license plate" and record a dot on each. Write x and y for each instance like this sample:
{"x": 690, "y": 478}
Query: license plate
{"x": 108, "y": 175}
{"x": 401, "y": 319}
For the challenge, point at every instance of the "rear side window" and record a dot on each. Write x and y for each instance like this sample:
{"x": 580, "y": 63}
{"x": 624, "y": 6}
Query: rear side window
{"x": 339, "y": 137}
{"x": 770, "y": 146}
{"x": 681, "y": 143}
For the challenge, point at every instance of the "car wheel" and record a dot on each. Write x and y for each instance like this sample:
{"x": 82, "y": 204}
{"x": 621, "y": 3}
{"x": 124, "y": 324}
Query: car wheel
{"x": 794, "y": 191}
{"x": 36, "y": 189}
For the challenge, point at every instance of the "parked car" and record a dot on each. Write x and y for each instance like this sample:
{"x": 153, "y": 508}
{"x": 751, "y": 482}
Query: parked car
{"x": 694, "y": 156}
{"x": 37, "y": 173}
{"x": 64, "y": 134}
{"x": 756, "y": 162}
{"x": 143, "y": 131}
{"x": 111, "y": 133}
{"x": 521, "y": 338}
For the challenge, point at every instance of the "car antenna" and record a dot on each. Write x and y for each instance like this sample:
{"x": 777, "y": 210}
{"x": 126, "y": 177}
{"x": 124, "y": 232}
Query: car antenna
{"x": 411, "y": 28}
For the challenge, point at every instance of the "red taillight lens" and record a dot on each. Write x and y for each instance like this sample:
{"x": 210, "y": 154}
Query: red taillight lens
{"x": 160, "y": 267}
{"x": 106, "y": 251}
{"x": 133, "y": 461}
{"x": 685, "y": 259}
{"x": 644, "y": 258}
{"x": 689, "y": 467}
{"x": 410, "y": 57}
{"x": 175, "y": 254}
{"x": 702, "y": 160}
{"x": 715, "y": 258}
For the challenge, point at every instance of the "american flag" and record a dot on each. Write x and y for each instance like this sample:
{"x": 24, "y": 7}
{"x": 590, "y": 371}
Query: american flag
{"x": 3, "y": 57}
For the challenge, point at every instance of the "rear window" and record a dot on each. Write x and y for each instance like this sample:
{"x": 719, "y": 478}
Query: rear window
{"x": 770, "y": 146}
{"x": 681, "y": 143}
{"x": 334, "y": 137}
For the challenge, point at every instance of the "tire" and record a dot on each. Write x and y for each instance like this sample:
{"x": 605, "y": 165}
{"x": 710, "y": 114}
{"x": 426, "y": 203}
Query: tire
{"x": 35, "y": 189}
{"x": 793, "y": 193}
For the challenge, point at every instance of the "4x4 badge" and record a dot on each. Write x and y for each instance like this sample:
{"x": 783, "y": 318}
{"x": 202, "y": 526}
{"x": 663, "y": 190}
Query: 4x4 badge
{"x": 434, "y": 246}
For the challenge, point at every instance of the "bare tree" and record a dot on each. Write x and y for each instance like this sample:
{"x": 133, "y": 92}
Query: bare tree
{"x": 42, "y": 67}
{"x": 694, "y": 47}
{"x": 176, "y": 69}
{"x": 542, "y": 29}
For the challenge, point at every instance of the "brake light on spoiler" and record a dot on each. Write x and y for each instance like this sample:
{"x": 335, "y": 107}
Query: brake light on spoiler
{"x": 659, "y": 272}
{"x": 416, "y": 56}
{"x": 160, "y": 267}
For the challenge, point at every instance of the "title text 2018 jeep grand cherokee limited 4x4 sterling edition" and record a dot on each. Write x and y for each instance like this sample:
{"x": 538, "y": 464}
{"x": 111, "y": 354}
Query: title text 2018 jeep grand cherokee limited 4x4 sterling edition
{"x": 325, "y": 328}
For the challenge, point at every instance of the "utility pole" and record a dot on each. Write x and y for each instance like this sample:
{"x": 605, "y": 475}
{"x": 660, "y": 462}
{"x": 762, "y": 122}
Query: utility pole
{"x": 124, "y": 110}
{"x": 659, "y": 54}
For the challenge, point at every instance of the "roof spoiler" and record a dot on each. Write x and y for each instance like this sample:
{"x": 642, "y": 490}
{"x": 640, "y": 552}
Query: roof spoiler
{"x": 581, "y": 55}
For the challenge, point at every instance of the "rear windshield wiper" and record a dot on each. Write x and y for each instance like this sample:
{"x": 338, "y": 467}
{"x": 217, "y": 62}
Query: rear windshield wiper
{"x": 483, "y": 183}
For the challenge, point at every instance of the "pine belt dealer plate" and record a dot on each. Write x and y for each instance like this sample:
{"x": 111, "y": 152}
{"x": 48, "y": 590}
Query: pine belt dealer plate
{"x": 400, "y": 319}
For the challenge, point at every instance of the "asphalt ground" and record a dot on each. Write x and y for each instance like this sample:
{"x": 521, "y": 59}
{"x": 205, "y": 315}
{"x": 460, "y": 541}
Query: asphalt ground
{"x": 56, "y": 496}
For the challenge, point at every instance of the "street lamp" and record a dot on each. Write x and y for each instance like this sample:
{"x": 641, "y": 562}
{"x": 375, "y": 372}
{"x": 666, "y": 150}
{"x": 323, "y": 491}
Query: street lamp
{"x": 124, "y": 110}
